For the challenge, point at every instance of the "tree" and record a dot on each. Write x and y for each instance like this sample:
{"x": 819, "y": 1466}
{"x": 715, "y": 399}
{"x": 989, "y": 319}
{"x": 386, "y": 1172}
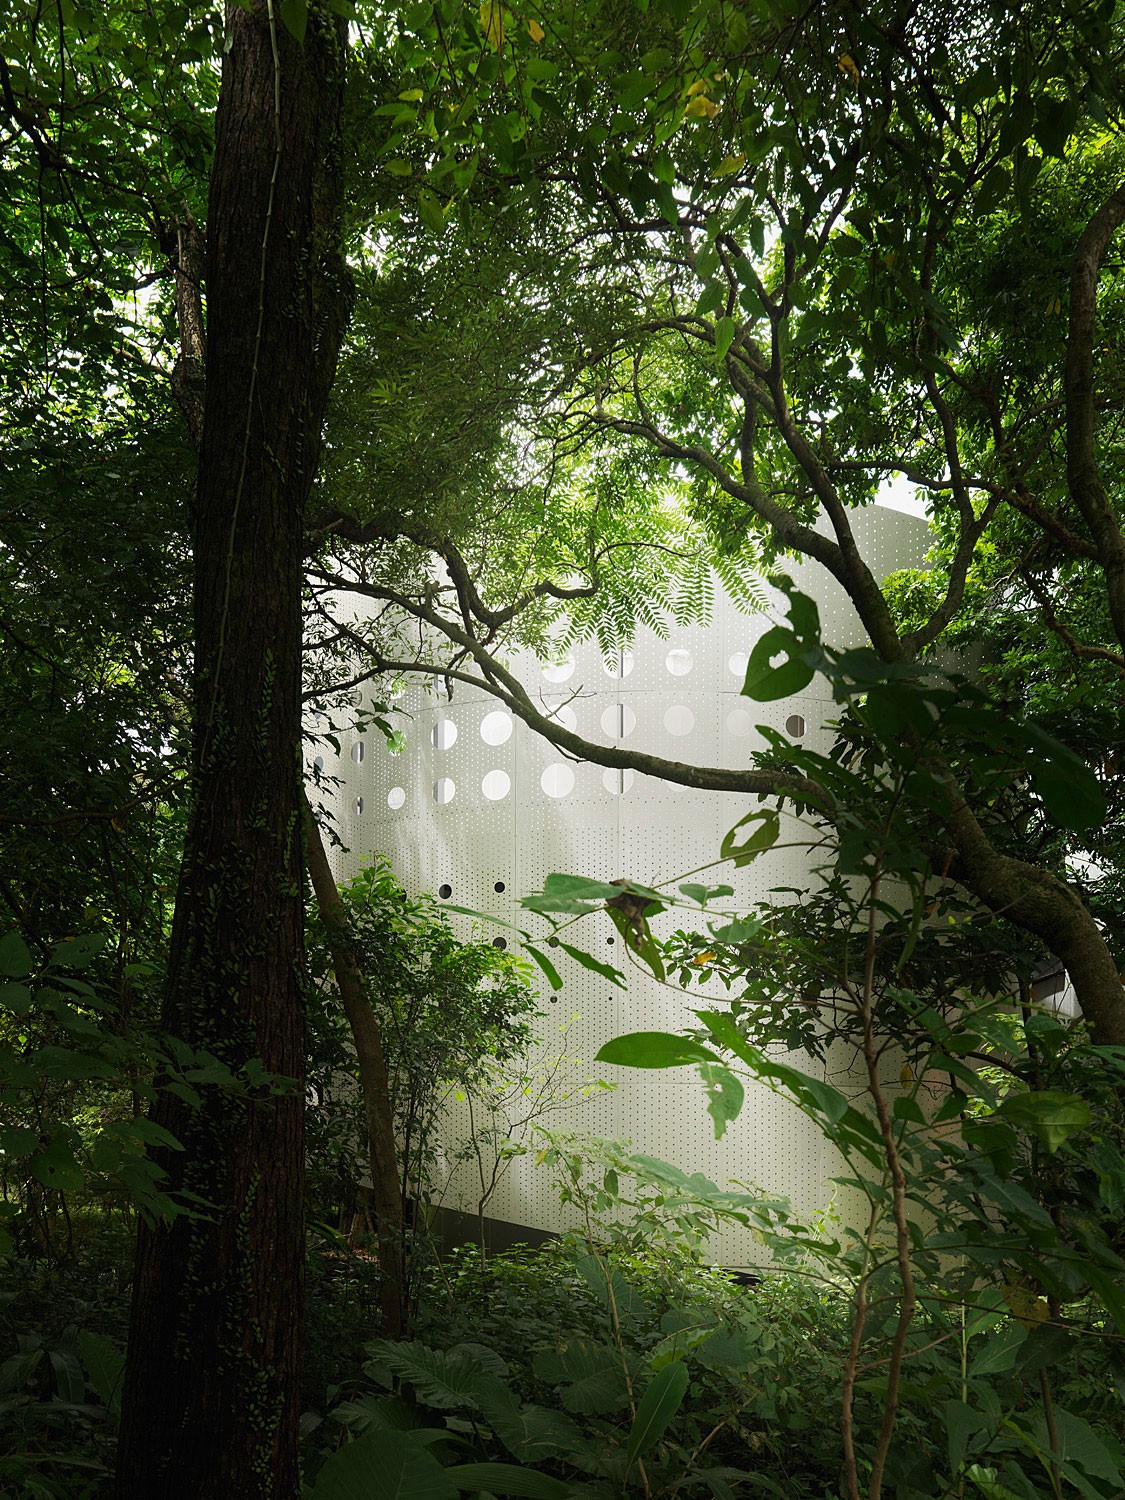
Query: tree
{"x": 212, "y": 1382}
{"x": 824, "y": 285}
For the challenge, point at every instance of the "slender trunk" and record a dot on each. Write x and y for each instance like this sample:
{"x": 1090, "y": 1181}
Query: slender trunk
{"x": 212, "y": 1387}
{"x": 381, "y": 1149}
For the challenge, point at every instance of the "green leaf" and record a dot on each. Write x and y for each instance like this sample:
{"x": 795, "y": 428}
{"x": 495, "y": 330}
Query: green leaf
{"x": 295, "y": 17}
{"x": 55, "y": 1167}
{"x": 595, "y": 1380}
{"x": 588, "y": 961}
{"x": 17, "y": 1141}
{"x": 1072, "y": 798}
{"x": 530, "y": 1433}
{"x": 553, "y": 978}
{"x": 765, "y": 838}
{"x": 1110, "y": 1290}
{"x": 654, "y": 1049}
{"x": 827, "y": 1106}
{"x": 725, "y": 329}
{"x": 77, "y": 952}
{"x": 15, "y": 998}
{"x": 383, "y": 1466}
{"x": 775, "y": 669}
{"x": 725, "y": 1095}
{"x": 657, "y": 1407}
{"x": 446, "y": 1379}
{"x": 105, "y": 1366}
{"x": 507, "y": 1479}
{"x": 1000, "y": 1351}
{"x": 430, "y": 211}
{"x": 15, "y": 956}
{"x": 701, "y": 894}
{"x": 1049, "y": 1115}
{"x": 1079, "y": 1444}
{"x": 960, "y": 1422}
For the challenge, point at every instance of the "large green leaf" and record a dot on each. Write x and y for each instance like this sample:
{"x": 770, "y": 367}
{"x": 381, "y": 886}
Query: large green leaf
{"x": 656, "y": 1409}
{"x": 507, "y": 1479}
{"x": 1049, "y": 1115}
{"x": 725, "y": 1095}
{"x": 445, "y": 1379}
{"x": 654, "y": 1049}
{"x": 15, "y": 956}
{"x": 593, "y": 1375}
{"x": 764, "y": 837}
{"x": 529, "y": 1433}
{"x": 105, "y": 1366}
{"x": 383, "y": 1466}
{"x": 588, "y": 961}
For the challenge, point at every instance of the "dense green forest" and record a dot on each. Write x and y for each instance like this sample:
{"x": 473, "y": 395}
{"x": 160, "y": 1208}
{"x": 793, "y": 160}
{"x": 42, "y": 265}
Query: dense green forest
{"x": 527, "y": 326}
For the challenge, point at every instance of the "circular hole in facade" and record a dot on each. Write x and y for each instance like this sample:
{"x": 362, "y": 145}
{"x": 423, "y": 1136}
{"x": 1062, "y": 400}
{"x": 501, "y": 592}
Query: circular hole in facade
{"x": 609, "y": 942}
{"x": 552, "y": 942}
{"x": 395, "y": 798}
{"x": 679, "y": 719}
{"x": 443, "y": 734}
{"x": 740, "y": 722}
{"x": 358, "y": 752}
{"x": 617, "y": 783}
{"x": 619, "y": 665}
{"x": 357, "y": 806}
{"x": 444, "y": 790}
{"x": 738, "y": 663}
{"x": 499, "y": 886}
{"x": 795, "y": 726}
{"x": 559, "y": 671}
{"x": 618, "y": 721}
{"x": 495, "y": 785}
{"x": 445, "y": 891}
{"x": 499, "y": 942}
{"x": 678, "y": 661}
{"x": 557, "y": 780}
{"x": 318, "y": 763}
{"x": 496, "y": 727}
{"x": 565, "y": 716}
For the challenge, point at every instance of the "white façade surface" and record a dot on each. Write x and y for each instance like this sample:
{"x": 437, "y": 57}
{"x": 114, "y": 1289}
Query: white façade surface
{"x": 477, "y": 799}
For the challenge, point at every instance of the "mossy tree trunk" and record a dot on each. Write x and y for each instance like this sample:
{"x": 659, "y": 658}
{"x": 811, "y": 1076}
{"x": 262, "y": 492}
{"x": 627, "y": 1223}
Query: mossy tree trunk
{"x": 212, "y": 1387}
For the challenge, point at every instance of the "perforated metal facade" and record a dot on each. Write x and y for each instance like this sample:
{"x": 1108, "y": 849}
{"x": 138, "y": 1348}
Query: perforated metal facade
{"x": 477, "y": 801}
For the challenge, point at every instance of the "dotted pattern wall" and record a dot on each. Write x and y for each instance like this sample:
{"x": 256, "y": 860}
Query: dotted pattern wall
{"x": 480, "y": 809}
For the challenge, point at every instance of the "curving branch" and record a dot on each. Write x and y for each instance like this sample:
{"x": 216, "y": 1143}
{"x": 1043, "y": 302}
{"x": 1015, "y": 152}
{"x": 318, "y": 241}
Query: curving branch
{"x": 495, "y": 679}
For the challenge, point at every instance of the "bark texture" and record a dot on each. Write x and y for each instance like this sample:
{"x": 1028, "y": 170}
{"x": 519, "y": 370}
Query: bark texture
{"x": 211, "y": 1398}
{"x": 382, "y": 1153}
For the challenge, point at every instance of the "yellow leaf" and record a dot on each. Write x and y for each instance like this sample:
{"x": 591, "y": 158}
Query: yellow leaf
{"x": 1058, "y": 304}
{"x": 702, "y": 108}
{"x": 729, "y": 164}
{"x": 536, "y": 31}
{"x": 1026, "y": 1307}
{"x": 411, "y": 95}
{"x": 907, "y": 1075}
{"x": 492, "y": 22}
{"x": 698, "y": 87}
{"x": 702, "y": 958}
{"x": 846, "y": 64}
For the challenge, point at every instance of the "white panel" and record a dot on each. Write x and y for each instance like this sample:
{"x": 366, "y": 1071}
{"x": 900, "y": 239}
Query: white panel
{"x": 654, "y": 832}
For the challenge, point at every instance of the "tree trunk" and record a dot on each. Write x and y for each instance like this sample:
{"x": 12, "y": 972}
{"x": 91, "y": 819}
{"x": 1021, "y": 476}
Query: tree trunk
{"x": 212, "y": 1386}
{"x": 381, "y": 1150}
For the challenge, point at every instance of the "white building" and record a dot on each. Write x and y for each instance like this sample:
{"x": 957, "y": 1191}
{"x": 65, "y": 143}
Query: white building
{"x": 480, "y": 810}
